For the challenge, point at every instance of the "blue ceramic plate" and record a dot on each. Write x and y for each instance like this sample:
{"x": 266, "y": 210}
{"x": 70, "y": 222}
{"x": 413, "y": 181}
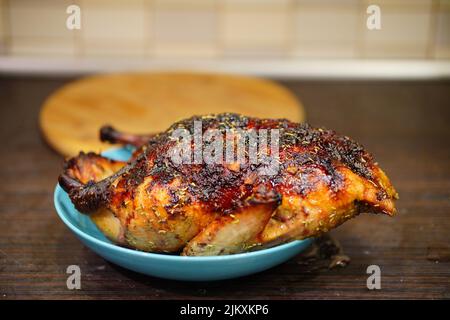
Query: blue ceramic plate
{"x": 165, "y": 265}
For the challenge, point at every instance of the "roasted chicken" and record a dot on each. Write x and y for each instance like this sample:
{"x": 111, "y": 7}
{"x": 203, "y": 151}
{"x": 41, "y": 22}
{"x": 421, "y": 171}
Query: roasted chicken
{"x": 155, "y": 204}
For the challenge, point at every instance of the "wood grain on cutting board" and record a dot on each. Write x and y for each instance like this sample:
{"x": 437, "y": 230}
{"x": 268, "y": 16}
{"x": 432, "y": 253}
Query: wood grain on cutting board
{"x": 150, "y": 102}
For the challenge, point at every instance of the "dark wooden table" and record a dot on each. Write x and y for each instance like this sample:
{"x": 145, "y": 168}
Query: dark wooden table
{"x": 404, "y": 124}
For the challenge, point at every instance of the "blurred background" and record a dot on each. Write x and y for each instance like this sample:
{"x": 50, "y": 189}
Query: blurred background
{"x": 268, "y": 37}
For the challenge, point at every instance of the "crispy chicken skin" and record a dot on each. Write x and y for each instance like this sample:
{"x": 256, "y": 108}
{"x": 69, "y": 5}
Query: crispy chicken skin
{"x": 152, "y": 204}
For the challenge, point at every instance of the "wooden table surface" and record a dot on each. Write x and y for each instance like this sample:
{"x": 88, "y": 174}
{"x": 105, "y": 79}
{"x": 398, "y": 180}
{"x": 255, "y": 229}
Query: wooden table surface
{"x": 404, "y": 124}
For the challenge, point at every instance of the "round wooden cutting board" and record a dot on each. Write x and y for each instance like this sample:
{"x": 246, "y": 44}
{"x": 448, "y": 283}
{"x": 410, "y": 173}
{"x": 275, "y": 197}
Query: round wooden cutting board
{"x": 150, "y": 102}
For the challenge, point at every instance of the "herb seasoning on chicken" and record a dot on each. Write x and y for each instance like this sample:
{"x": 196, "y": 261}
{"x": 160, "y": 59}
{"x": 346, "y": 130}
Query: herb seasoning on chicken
{"x": 153, "y": 204}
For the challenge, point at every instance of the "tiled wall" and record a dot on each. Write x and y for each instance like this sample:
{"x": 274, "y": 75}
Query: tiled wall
{"x": 212, "y": 29}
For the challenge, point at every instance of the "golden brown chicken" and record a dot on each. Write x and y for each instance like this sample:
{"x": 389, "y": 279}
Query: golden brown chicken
{"x": 157, "y": 203}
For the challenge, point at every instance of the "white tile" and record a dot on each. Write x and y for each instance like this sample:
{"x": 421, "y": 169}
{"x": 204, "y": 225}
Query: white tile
{"x": 184, "y": 3}
{"x": 325, "y": 29}
{"x": 184, "y": 50}
{"x": 172, "y": 26}
{"x": 2, "y": 27}
{"x": 29, "y": 18}
{"x": 318, "y": 51}
{"x": 400, "y": 4}
{"x": 402, "y": 34}
{"x": 442, "y": 53}
{"x": 114, "y": 20}
{"x": 401, "y": 28}
{"x": 326, "y": 25}
{"x": 181, "y": 30}
{"x": 2, "y": 20}
{"x": 257, "y": 3}
{"x": 45, "y": 47}
{"x": 39, "y": 28}
{"x": 327, "y": 3}
{"x": 123, "y": 48}
{"x": 255, "y": 28}
{"x": 260, "y": 51}
{"x": 442, "y": 39}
